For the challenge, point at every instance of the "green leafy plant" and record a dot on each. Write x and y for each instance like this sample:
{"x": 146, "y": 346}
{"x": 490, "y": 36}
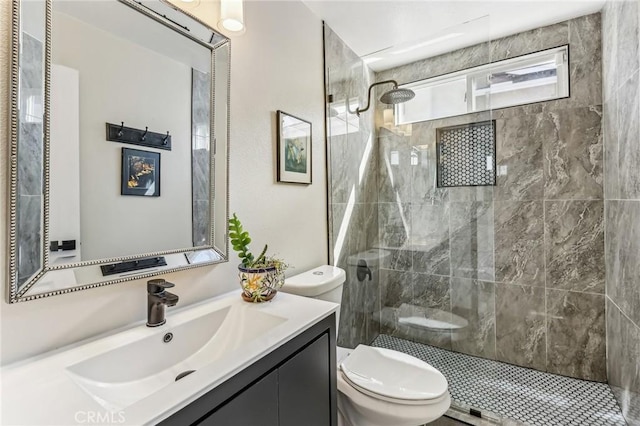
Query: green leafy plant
{"x": 240, "y": 241}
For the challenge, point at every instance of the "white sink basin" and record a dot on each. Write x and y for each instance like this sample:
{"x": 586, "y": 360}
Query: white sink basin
{"x": 128, "y": 376}
{"x": 122, "y": 376}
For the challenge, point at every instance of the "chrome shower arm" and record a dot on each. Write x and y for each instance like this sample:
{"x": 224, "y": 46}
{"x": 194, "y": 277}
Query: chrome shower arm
{"x": 359, "y": 110}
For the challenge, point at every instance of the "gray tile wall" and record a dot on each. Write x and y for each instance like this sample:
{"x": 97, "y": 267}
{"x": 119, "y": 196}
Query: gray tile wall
{"x": 200, "y": 157}
{"x": 353, "y": 213}
{"x": 521, "y": 263}
{"x": 30, "y": 157}
{"x": 621, "y": 111}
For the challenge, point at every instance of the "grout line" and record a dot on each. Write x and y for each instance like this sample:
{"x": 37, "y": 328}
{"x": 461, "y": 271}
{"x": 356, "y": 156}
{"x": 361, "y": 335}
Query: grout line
{"x": 546, "y": 308}
{"x": 495, "y": 292}
{"x": 623, "y": 312}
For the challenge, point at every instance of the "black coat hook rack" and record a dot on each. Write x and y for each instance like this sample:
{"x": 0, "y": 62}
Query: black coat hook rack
{"x": 130, "y": 135}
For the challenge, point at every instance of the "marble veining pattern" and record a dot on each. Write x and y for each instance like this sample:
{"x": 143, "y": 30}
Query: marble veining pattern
{"x": 519, "y": 242}
{"x": 623, "y": 347}
{"x": 430, "y": 238}
{"x": 471, "y": 238}
{"x": 623, "y": 256}
{"x": 474, "y": 301}
{"x": 530, "y": 41}
{"x": 572, "y": 154}
{"x": 627, "y": 40}
{"x": 574, "y": 245}
{"x": 520, "y": 325}
{"x": 621, "y": 68}
{"x": 520, "y": 151}
{"x": 610, "y": 142}
{"x": 576, "y": 334}
{"x": 504, "y": 248}
{"x": 353, "y": 192}
{"x": 496, "y": 256}
{"x": 200, "y": 156}
{"x": 629, "y": 138}
{"x": 609, "y": 49}
{"x": 29, "y": 227}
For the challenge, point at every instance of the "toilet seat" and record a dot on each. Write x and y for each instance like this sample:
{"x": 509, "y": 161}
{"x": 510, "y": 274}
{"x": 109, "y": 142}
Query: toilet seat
{"x": 393, "y": 376}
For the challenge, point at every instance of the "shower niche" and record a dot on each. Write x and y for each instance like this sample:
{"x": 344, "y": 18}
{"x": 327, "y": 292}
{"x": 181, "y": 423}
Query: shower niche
{"x": 466, "y": 155}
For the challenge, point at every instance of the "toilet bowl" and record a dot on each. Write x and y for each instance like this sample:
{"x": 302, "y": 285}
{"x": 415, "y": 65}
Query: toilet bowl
{"x": 376, "y": 386}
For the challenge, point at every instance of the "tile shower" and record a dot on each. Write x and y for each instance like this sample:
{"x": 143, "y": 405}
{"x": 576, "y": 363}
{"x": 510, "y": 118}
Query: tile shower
{"x": 522, "y": 263}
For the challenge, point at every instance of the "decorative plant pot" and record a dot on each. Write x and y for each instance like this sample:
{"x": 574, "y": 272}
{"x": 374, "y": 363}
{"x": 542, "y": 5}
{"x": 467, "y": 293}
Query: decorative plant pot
{"x": 259, "y": 284}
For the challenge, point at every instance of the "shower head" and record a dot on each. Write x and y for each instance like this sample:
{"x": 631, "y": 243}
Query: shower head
{"x": 392, "y": 97}
{"x": 397, "y": 96}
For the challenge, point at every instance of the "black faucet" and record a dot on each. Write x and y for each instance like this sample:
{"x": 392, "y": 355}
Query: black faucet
{"x": 157, "y": 299}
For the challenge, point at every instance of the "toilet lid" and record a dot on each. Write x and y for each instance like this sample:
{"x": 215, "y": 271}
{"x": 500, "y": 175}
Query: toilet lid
{"x": 393, "y": 374}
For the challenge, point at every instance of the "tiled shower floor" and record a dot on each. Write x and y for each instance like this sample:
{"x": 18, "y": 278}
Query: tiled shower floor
{"x": 530, "y": 396}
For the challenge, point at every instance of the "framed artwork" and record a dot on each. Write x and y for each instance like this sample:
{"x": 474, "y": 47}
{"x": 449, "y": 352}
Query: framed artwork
{"x": 140, "y": 173}
{"x": 294, "y": 149}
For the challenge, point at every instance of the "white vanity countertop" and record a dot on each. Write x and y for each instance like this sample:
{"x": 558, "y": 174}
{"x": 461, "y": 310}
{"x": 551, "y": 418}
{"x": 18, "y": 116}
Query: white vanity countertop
{"x": 41, "y": 390}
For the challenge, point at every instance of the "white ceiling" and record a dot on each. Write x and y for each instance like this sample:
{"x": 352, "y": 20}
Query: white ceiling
{"x": 388, "y": 33}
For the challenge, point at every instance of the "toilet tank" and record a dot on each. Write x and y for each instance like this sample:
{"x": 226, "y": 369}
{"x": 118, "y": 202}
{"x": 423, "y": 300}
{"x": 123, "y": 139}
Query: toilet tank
{"x": 324, "y": 283}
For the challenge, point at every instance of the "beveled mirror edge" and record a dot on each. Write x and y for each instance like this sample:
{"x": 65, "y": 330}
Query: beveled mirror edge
{"x": 15, "y": 294}
{"x": 12, "y": 270}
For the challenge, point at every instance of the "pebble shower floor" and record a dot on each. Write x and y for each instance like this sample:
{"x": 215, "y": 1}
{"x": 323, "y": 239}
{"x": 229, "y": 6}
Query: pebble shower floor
{"x": 529, "y": 396}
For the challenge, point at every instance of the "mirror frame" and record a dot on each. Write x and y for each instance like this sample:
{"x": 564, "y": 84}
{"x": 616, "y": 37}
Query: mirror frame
{"x": 21, "y": 294}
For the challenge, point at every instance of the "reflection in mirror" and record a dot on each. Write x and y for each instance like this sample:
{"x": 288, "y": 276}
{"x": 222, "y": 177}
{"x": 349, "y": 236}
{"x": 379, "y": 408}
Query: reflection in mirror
{"x": 84, "y": 199}
{"x": 29, "y": 116}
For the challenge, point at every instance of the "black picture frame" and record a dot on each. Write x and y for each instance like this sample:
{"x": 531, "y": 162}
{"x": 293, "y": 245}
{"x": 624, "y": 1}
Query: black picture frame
{"x": 140, "y": 174}
{"x": 294, "y": 156}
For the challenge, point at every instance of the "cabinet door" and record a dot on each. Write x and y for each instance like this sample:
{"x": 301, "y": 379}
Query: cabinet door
{"x": 255, "y": 406}
{"x": 304, "y": 389}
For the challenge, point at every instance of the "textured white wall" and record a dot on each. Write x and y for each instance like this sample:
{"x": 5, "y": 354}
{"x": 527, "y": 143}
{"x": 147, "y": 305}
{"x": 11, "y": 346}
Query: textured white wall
{"x": 276, "y": 64}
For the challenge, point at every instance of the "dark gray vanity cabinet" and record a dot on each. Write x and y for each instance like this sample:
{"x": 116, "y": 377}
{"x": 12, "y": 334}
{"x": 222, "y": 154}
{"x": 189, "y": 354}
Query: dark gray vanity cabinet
{"x": 256, "y": 406}
{"x": 303, "y": 382}
{"x": 295, "y": 385}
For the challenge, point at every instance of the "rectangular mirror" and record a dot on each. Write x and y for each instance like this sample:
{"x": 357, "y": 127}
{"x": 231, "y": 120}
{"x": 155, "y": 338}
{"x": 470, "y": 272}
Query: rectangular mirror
{"x": 120, "y": 125}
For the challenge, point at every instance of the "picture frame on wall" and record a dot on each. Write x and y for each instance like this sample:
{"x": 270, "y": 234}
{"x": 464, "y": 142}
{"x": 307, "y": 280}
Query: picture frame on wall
{"x": 294, "y": 149}
{"x": 140, "y": 173}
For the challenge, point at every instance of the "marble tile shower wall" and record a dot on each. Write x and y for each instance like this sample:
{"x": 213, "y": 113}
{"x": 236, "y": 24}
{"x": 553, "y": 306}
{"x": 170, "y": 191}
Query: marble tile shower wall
{"x": 30, "y": 133}
{"x": 353, "y": 214}
{"x": 521, "y": 262}
{"x": 200, "y": 157}
{"x": 621, "y": 129}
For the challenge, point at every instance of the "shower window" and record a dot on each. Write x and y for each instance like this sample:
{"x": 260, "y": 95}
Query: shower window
{"x": 537, "y": 77}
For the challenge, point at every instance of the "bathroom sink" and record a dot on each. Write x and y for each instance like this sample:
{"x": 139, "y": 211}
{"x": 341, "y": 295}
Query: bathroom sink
{"x": 124, "y": 375}
{"x": 128, "y": 376}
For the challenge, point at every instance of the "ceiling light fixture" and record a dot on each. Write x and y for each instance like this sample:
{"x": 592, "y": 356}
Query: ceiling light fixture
{"x": 232, "y": 17}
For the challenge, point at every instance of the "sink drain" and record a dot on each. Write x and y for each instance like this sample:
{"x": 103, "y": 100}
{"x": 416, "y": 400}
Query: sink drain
{"x": 167, "y": 337}
{"x": 184, "y": 374}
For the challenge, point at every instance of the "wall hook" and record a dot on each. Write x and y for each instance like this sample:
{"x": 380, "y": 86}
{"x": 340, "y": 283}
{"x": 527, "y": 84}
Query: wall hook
{"x": 145, "y": 137}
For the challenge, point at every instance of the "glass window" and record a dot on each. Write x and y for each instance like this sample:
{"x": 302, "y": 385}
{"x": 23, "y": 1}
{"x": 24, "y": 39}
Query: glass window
{"x": 537, "y": 77}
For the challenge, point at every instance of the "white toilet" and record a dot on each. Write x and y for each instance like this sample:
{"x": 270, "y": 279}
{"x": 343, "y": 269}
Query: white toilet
{"x": 377, "y": 387}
